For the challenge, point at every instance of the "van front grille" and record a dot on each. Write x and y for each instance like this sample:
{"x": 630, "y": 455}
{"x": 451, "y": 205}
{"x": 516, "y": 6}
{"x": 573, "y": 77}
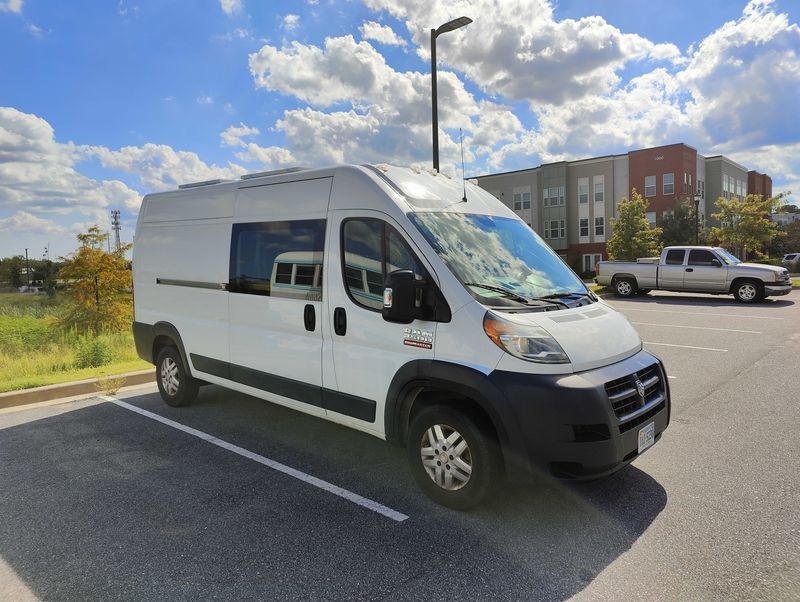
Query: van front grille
{"x": 625, "y": 394}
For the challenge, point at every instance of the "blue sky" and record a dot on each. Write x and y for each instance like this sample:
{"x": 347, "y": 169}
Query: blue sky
{"x": 104, "y": 102}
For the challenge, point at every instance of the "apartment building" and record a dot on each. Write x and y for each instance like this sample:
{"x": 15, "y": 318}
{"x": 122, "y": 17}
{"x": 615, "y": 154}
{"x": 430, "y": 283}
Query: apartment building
{"x": 570, "y": 203}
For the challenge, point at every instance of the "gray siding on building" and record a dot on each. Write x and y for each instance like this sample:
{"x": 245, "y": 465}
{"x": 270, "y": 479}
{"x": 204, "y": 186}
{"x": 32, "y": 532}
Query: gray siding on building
{"x": 503, "y": 185}
{"x": 554, "y": 175}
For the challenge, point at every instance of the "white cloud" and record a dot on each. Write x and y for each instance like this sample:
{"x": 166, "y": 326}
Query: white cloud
{"x": 387, "y": 112}
{"x": 11, "y": 6}
{"x": 160, "y": 167}
{"x": 534, "y": 58}
{"x": 269, "y": 157}
{"x": 22, "y": 221}
{"x": 38, "y": 174}
{"x": 35, "y": 31}
{"x": 230, "y": 7}
{"x": 205, "y": 99}
{"x": 290, "y": 22}
{"x": 383, "y": 34}
{"x": 234, "y": 134}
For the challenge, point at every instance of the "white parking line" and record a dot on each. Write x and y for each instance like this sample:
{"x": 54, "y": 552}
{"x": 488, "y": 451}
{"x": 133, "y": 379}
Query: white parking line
{"x": 697, "y": 327}
{"x": 696, "y": 313}
{"x": 287, "y": 470}
{"x": 685, "y": 346}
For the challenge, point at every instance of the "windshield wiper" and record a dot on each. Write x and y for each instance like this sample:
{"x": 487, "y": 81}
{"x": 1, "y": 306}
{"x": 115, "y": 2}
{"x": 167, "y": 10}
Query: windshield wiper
{"x": 517, "y": 296}
{"x": 552, "y": 299}
{"x": 499, "y": 289}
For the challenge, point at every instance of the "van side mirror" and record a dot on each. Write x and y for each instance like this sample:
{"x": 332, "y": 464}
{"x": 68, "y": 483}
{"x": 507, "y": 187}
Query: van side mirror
{"x": 400, "y": 296}
{"x": 716, "y": 263}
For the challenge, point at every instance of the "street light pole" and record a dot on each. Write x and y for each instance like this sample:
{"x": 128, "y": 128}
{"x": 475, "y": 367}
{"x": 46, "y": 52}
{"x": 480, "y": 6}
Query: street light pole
{"x": 435, "y": 33}
{"x": 697, "y": 219}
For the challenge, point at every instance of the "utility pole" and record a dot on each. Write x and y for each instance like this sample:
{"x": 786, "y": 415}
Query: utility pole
{"x": 115, "y": 224}
{"x": 28, "y": 268}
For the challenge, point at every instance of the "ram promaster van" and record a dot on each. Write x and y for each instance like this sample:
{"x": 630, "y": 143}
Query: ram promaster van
{"x": 401, "y": 303}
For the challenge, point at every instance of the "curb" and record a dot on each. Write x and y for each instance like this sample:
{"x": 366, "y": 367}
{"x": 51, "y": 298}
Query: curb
{"x": 78, "y": 387}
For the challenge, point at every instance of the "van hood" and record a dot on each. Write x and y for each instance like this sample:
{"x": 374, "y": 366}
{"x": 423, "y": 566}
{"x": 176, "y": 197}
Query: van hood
{"x": 592, "y": 336}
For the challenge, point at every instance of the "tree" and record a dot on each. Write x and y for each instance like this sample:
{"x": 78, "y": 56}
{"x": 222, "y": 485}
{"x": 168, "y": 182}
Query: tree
{"x": 631, "y": 234}
{"x": 98, "y": 283}
{"x": 12, "y": 270}
{"x": 791, "y": 241}
{"x": 678, "y": 227}
{"x": 744, "y": 223}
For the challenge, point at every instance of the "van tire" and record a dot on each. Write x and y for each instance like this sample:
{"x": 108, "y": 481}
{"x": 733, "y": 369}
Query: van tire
{"x": 481, "y": 454}
{"x": 177, "y": 388}
{"x": 748, "y": 291}
{"x": 625, "y": 287}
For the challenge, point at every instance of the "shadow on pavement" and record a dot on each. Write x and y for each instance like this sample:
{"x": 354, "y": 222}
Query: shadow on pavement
{"x": 684, "y": 299}
{"x": 103, "y": 503}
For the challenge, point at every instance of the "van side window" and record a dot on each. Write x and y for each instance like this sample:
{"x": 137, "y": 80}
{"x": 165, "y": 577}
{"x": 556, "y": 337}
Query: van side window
{"x": 700, "y": 257}
{"x": 372, "y": 248}
{"x": 675, "y": 256}
{"x": 278, "y": 259}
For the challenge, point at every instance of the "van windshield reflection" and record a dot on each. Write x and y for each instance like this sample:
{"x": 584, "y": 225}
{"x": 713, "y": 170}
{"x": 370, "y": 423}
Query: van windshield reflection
{"x": 500, "y": 260}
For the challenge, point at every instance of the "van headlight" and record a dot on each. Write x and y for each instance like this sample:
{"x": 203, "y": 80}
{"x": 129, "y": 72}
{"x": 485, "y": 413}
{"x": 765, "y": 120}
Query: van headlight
{"x": 529, "y": 342}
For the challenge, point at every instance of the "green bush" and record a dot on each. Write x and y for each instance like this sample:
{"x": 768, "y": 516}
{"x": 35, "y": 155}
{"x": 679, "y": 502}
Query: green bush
{"x": 24, "y": 334}
{"x": 92, "y": 352}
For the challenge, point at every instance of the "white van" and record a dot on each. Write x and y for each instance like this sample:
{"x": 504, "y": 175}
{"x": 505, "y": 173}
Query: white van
{"x": 400, "y": 303}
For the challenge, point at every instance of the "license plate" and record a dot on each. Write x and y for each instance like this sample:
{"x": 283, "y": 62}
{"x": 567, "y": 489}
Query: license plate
{"x": 647, "y": 436}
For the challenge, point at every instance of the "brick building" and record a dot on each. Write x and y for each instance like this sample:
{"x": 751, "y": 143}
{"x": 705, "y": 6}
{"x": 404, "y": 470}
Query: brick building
{"x": 570, "y": 203}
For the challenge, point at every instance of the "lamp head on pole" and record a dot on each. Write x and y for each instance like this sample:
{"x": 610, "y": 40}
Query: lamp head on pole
{"x": 451, "y": 25}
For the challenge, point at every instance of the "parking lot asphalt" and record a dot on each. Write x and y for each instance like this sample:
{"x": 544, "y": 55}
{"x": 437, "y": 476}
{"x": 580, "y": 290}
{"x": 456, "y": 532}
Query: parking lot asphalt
{"x": 100, "y": 502}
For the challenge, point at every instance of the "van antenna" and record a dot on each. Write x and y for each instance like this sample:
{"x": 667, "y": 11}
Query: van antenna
{"x": 463, "y": 175}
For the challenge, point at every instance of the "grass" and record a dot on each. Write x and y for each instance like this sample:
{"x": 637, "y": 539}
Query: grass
{"x": 34, "y": 351}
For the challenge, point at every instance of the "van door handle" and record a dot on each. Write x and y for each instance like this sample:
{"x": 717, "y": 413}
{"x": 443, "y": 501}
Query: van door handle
{"x": 690, "y": 269}
{"x": 310, "y": 318}
{"x": 340, "y": 321}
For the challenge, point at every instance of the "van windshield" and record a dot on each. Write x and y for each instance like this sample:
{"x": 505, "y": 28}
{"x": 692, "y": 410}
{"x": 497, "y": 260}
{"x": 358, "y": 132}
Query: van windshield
{"x": 497, "y": 258}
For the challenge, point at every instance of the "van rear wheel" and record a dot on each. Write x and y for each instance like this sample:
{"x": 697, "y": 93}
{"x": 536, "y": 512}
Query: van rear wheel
{"x": 177, "y": 388}
{"x": 453, "y": 460}
{"x": 625, "y": 287}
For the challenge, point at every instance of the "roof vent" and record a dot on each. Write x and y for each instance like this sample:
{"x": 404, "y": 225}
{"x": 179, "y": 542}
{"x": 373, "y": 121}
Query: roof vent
{"x": 205, "y": 183}
{"x": 274, "y": 172}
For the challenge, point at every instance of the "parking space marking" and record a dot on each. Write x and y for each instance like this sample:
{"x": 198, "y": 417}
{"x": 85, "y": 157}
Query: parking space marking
{"x": 685, "y": 346}
{"x": 697, "y": 327}
{"x": 697, "y": 313}
{"x": 287, "y": 470}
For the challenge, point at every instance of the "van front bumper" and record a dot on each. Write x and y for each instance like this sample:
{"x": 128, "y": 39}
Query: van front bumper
{"x": 567, "y": 426}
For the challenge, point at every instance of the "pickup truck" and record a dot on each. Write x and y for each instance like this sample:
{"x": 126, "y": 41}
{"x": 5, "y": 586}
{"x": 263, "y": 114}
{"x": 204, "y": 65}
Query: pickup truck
{"x": 695, "y": 269}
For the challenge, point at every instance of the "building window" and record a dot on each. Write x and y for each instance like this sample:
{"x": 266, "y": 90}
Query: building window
{"x": 701, "y": 188}
{"x": 599, "y": 226}
{"x": 522, "y": 198}
{"x": 599, "y": 192}
{"x": 562, "y": 231}
{"x": 554, "y": 229}
{"x": 690, "y": 184}
{"x": 584, "y": 226}
{"x": 561, "y": 195}
{"x": 583, "y": 190}
{"x": 546, "y": 229}
{"x": 684, "y": 182}
{"x": 651, "y": 218}
{"x": 649, "y": 186}
{"x": 669, "y": 183}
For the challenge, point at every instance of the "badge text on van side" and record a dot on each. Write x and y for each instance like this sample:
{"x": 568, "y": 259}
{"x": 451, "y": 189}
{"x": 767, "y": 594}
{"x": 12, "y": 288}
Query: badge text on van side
{"x": 415, "y": 337}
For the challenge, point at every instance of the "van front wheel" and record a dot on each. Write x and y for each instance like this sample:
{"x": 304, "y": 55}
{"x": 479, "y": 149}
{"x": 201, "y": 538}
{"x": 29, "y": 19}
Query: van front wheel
{"x": 453, "y": 460}
{"x": 177, "y": 388}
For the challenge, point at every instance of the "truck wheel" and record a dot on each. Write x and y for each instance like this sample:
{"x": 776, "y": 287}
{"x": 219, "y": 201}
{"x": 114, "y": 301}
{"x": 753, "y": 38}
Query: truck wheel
{"x": 625, "y": 287}
{"x": 453, "y": 460}
{"x": 177, "y": 388}
{"x": 748, "y": 291}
